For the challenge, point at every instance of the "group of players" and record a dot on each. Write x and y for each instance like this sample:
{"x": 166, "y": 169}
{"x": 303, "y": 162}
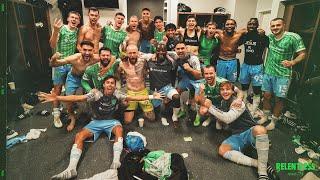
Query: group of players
{"x": 174, "y": 60}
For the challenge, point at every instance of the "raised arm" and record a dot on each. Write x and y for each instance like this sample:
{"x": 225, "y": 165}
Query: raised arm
{"x": 45, "y": 97}
{"x": 55, "y": 33}
{"x": 82, "y": 32}
{"x": 56, "y": 61}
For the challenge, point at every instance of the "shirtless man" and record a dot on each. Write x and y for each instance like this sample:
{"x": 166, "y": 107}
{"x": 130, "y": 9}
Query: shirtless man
{"x": 64, "y": 40}
{"x": 91, "y": 31}
{"x": 133, "y": 33}
{"x": 79, "y": 61}
{"x": 227, "y": 62}
{"x": 134, "y": 70}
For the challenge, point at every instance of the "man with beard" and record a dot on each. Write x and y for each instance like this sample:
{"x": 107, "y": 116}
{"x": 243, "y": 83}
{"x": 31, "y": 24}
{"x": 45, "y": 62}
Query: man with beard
{"x": 252, "y": 67}
{"x": 64, "y": 39}
{"x": 91, "y": 31}
{"x": 133, "y": 68}
{"x": 113, "y": 36}
{"x": 94, "y": 75}
{"x": 133, "y": 33}
{"x": 229, "y": 41}
{"x": 161, "y": 75}
{"x": 189, "y": 72}
{"x": 286, "y": 49}
{"x": 79, "y": 61}
{"x": 146, "y": 27}
{"x": 210, "y": 90}
{"x": 245, "y": 133}
{"x": 104, "y": 106}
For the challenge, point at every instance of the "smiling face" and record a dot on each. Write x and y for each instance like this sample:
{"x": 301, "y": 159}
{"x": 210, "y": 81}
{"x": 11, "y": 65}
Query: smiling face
{"x": 277, "y": 27}
{"x": 211, "y": 29}
{"x": 133, "y": 23}
{"x": 93, "y": 17}
{"x": 73, "y": 20}
{"x": 181, "y": 50}
{"x": 159, "y": 24}
{"x": 170, "y": 32}
{"x": 161, "y": 52}
{"x": 191, "y": 23}
{"x": 252, "y": 25}
{"x": 118, "y": 20}
{"x": 209, "y": 75}
{"x": 145, "y": 14}
{"x": 87, "y": 52}
{"x": 226, "y": 90}
{"x": 230, "y": 26}
{"x": 109, "y": 86}
{"x": 105, "y": 57}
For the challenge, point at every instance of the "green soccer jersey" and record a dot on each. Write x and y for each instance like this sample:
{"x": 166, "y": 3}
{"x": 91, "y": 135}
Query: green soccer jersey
{"x": 158, "y": 36}
{"x": 91, "y": 78}
{"x": 67, "y": 42}
{"x": 280, "y": 50}
{"x": 206, "y": 48}
{"x": 213, "y": 92}
{"x": 113, "y": 39}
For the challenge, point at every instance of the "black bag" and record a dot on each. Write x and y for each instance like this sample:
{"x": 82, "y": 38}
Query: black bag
{"x": 132, "y": 165}
{"x": 179, "y": 170}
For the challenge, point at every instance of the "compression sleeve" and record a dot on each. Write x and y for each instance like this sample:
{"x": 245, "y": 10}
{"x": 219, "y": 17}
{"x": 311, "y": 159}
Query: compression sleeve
{"x": 227, "y": 117}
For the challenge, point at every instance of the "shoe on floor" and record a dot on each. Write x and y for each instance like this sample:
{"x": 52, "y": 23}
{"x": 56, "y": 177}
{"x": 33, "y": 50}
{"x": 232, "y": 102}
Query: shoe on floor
{"x": 57, "y": 122}
{"x": 196, "y": 121}
{"x": 206, "y": 122}
{"x": 271, "y": 126}
{"x": 164, "y": 121}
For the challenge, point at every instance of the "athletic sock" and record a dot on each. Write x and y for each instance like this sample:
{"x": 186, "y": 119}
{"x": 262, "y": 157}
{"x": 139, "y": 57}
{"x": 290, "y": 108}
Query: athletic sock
{"x": 245, "y": 95}
{"x": 239, "y": 158}
{"x": 175, "y": 114}
{"x": 255, "y": 103}
{"x": 117, "y": 149}
{"x": 56, "y": 112}
{"x": 262, "y": 145}
{"x": 71, "y": 171}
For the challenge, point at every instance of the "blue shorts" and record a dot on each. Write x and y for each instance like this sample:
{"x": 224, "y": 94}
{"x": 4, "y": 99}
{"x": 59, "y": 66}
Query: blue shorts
{"x": 279, "y": 86}
{"x": 185, "y": 84}
{"x": 169, "y": 91}
{"x": 59, "y": 74}
{"x": 251, "y": 73}
{"x": 239, "y": 141}
{"x": 145, "y": 46}
{"x": 96, "y": 127}
{"x": 227, "y": 69}
{"x": 72, "y": 84}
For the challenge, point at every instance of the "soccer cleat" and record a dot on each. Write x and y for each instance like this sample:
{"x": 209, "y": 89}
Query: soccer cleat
{"x": 181, "y": 114}
{"x": 206, "y": 122}
{"x": 263, "y": 177}
{"x": 272, "y": 174}
{"x": 196, "y": 122}
{"x": 263, "y": 119}
{"x": 271, "y": 125}
{"x": 164, "y": 121}
{"x": 57, "y": 122}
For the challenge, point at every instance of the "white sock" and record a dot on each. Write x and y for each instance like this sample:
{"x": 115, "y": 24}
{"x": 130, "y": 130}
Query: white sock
{"x": 262, "y": 145}
{"x": 255, "y": 103}
{"x": 245, "y": 95}
{"x": 175, "y": 114}
{"x": 239, "y": 158}
{"x": 56, "y": 112}
{"x": 117, "y": 149}
{"x": 74, "y": 157}
{"x": 71, "y": 171}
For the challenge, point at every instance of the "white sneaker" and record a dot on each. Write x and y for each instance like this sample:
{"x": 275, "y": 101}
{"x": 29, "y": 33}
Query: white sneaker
{"x": 57, "y": 122}
{"x": 206, "y": 122}
{"x": 164, "y": 121}
{"x": 271, "y": 125}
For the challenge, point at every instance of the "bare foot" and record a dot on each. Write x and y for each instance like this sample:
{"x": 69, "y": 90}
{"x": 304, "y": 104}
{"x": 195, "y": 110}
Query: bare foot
{"x": 71, "y": 125}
